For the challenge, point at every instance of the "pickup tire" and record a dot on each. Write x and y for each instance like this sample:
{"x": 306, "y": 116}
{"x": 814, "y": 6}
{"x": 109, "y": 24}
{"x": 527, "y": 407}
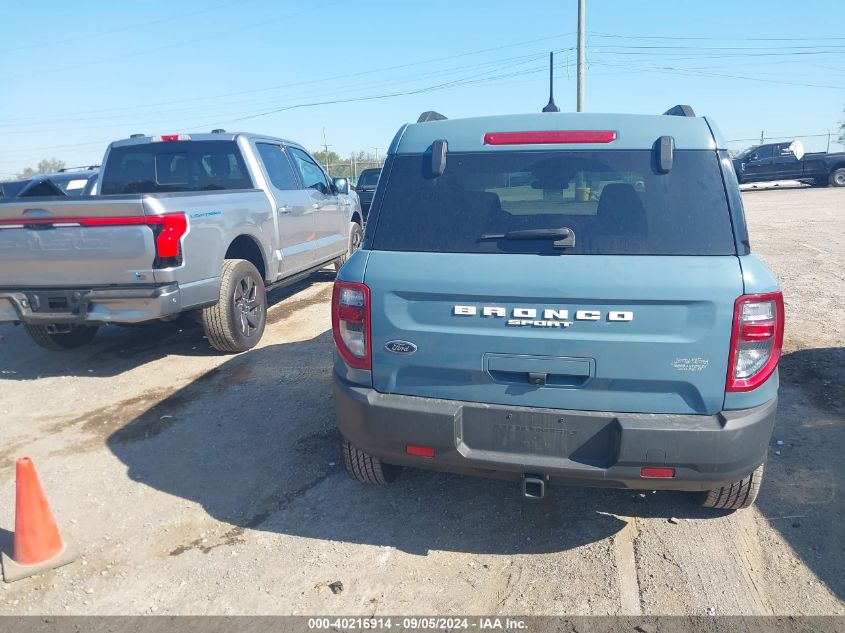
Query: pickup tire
{"x": 356, "y": 238}
{"x": 365, "y": 468}
{"x": 236, "y": 322}
{"x": 738, "y": 495}
{"x": 79, "y": 336}
{"x": 837, "y": 177}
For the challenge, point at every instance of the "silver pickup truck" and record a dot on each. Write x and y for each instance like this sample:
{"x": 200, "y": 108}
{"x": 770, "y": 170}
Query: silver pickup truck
{"x": 203, "y": 223}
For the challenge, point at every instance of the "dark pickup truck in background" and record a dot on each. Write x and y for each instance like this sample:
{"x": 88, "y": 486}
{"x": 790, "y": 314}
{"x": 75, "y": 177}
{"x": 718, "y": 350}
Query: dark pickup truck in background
{"x": 787, "y": 161}
{"x": 366, "y": 188}
{"x": 72, "y": 181}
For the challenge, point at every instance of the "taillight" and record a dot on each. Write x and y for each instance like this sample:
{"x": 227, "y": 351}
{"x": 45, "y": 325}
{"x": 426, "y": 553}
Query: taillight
{"x": 173, "y": 227}
{"x": 351, "y": 323}
{"x": 756, "y": 340}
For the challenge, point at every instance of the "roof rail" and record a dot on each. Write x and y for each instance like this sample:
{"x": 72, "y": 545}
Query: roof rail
{"x": 680, "y": 110}
{"x": 430, "y": 115}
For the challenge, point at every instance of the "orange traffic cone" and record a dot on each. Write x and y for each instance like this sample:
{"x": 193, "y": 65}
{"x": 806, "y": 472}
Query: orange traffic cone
{"x": 38, "y": 544}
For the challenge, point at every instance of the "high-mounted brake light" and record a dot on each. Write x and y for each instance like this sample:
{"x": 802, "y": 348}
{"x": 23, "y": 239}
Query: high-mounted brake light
{"x": 171, "y": 138}
{"x": 756, "y": 340}
{"x": 540, "y": 138}
{"x": 351, "y": 323}
{"x": 169, "y": 229}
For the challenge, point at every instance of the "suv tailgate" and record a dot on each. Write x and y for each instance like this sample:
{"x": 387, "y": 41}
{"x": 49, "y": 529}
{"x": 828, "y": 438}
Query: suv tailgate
{"x": 671, "y": 357}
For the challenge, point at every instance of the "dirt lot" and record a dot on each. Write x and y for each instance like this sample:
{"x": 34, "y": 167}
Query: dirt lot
{"x": 197, "y": 483}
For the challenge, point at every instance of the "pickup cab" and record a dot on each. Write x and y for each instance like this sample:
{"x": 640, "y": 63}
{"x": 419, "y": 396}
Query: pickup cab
{"x": 559, "y": 298}
{"x": 787, "y": 161}
{"x": 201, "y": 223}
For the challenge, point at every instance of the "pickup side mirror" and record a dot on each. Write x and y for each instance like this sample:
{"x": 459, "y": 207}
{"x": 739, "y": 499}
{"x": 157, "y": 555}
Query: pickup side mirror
{"x": 341, "y": 185}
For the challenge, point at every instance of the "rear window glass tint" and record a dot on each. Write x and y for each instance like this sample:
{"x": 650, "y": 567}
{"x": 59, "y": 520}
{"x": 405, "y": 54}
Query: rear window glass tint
{"x": 176, "y": 166}
{"x": 615, "y": 202}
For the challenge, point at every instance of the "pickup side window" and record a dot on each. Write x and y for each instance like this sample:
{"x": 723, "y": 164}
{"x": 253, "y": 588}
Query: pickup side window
{"x": 312, "y": 174}
{"x": 174, "y": 166}
{"x": 278, "y": 166}
{"x": 761, "y": 153}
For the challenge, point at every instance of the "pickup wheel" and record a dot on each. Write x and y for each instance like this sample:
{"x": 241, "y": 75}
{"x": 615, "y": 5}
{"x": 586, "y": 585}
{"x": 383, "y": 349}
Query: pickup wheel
{"x": 365, "y": 468}
{"x": 47, "y": 337}
{"x": 236, "y": 322}
{"x": 837, "y": 177}
{"x": 738, "y": 495}
{"x": 356, "y": 238}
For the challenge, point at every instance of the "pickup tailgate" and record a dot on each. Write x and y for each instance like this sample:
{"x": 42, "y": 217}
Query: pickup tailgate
{"x": 652, "y": 337}
{"x": 43, "y": 243}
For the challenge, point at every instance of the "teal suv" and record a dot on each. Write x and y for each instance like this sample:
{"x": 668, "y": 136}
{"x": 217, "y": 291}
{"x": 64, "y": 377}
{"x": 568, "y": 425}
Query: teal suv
{"x": 560, "y": 298}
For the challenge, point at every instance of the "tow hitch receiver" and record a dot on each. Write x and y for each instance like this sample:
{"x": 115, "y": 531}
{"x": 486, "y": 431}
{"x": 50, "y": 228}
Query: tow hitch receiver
{"x": 533, "y": 486}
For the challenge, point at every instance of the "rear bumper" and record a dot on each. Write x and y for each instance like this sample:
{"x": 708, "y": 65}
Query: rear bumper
{"x": 89, "y": 305}
{"x": 572, "y": 447}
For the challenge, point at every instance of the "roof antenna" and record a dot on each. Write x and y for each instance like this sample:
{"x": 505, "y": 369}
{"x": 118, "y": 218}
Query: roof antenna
{"x": 550, "y": 106}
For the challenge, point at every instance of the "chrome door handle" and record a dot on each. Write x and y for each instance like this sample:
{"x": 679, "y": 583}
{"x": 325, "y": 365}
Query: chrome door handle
{"x": 317, "y": 205}
{"x": 283, "y": 209}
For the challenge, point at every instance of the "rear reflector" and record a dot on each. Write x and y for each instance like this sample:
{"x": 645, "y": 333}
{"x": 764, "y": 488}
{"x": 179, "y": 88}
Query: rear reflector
{"x": 657, "y": 473}
{"x": 540, "y": 138}
{"x": 419, "y": 451}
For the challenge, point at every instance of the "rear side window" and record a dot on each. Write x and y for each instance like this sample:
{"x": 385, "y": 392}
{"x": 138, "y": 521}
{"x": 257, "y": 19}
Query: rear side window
{"x": 278, "y": 166}
{"x": 175, "y": 166}
{"x": 615, "y": 202}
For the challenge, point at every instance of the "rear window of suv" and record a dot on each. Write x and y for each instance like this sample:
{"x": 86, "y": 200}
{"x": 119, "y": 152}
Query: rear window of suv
{"x": 615, "y": 202}
{"x": 174, "y": 166}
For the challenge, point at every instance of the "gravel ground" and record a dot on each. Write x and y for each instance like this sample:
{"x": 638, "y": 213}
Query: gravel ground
{"x": 194, "y": 483}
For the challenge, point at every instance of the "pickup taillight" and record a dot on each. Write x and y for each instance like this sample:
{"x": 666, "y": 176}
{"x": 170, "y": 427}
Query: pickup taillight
{"x": 756, "y": 340}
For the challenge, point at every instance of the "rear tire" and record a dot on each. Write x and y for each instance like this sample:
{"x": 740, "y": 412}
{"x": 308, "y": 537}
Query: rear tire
{"x": 736, "y": 496}
{"x": 837, "y": 177}
{"x": 356, "y": 237}
{"x": 79, "y": 336}
{"x": 365, "y": 468}
{"x": 236, "y": 322}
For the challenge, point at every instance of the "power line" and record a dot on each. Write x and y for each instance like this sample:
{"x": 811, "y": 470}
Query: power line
{"x": 41, "y": 43}
{"x": 710, "y": 38}
{"x": 181, "y": 42}
{"x": 125, "y": 121}
{"x": 74, "y": 116}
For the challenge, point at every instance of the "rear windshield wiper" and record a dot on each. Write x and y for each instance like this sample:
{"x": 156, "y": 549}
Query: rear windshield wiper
{"x": 564, "y": 237}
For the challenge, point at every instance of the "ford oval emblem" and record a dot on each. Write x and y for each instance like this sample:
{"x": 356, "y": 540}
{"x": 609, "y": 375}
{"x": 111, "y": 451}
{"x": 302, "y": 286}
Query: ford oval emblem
{"x": 400, "y": 347}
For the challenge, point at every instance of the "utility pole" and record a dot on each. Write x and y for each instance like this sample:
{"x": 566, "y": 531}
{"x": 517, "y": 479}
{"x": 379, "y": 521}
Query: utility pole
{"x": 762, "y": 140}
{"x": 581, "y": 61}
{"x": 377, "y": 161}
{"x": 326, "y": 151}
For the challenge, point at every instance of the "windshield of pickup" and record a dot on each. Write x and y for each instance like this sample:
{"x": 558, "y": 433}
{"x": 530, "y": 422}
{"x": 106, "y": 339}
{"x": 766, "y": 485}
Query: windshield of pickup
{"x": 174, "y": 166}
{"x": 615, "y": 202}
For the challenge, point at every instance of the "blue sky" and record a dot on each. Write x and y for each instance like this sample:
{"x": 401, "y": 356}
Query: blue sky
{"x": 79, "y": 75}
